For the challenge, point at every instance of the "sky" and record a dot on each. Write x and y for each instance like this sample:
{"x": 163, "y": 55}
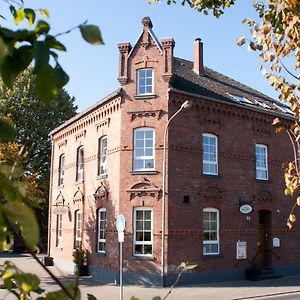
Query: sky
{"x": 93, "y": 70}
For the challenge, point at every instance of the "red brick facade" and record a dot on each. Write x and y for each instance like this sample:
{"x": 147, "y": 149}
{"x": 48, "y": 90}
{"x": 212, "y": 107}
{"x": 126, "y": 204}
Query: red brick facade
{"x": 238, "y": 129}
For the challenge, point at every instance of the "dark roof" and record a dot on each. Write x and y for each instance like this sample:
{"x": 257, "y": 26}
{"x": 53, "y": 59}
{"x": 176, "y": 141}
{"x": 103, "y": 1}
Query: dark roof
{"x": 86, "y": 111}
{"x": 214, "y": 85}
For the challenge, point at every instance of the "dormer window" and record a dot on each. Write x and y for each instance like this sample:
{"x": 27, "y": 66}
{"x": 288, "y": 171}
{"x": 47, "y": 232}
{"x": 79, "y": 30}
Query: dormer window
{"x": 145, "y": 82}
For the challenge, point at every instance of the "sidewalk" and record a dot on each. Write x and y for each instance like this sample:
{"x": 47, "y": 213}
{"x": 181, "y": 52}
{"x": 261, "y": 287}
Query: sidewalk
{"x": 236, "y": 290}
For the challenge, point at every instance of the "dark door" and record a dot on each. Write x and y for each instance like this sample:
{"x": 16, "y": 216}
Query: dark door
{"x": 263, "y": 238}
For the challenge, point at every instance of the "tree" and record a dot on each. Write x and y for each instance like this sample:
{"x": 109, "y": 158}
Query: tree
{"x": 33, "y": 121}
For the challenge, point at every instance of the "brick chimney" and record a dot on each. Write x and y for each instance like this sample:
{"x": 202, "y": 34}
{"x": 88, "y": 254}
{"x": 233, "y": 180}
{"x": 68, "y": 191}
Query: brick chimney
{"x": 168, "y": 46}
{"x": 124, "y": 50}
{"x": 198, "y": 57}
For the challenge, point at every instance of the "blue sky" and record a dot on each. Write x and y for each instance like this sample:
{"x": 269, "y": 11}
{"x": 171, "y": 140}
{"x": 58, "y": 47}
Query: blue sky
{"x": 93, "y": 70}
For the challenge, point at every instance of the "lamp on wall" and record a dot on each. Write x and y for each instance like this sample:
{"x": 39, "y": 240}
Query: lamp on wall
{"x": 184, "y": 105}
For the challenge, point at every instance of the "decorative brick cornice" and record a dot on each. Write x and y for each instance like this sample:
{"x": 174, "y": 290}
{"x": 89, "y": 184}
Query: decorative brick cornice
{"x": 145, "y": 113}
{"x": 103, "y": 123}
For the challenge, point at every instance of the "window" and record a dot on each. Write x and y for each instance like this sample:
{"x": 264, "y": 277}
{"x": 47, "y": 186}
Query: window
{"x": 61, "y": 170}
{"x": 101, "y": 230}
{"x": 210, "y": 154}
{"x": 145, "y": 81}
{"x": 102, "y": 170}
{"x": 143, "y": 231}
{"x": 241, "y": 99}
{"x": 143, "y": 149}
{"x": 59, "y": 231}
{"x": 79, "y": 173}
{"x": 78, "y": 229}
{"x": 210, "y": 231}
{"x": 261, "y": 152}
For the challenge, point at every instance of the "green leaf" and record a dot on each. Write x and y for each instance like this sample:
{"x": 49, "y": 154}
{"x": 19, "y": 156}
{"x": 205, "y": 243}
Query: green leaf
{"x": 42, "y": 27}
{"x": 51, "y": 42}
{"x": 7, "y": 130}
{"x": 41, "y": 56}
{"x": 44, "y": 12}
{"x": 3, "y": 50}
{"x": 19, "y": 15}
{"x": 156, "y": 298}
{"x": 91, "y": 297}
{"x": 61, "y": 78}
{"x": 44, "y": 85}
{"x": 14, "y": 63}
{"x": 23, "y": 217}
{"x": 91, "y": 34}
{"x": 29, "y": 15}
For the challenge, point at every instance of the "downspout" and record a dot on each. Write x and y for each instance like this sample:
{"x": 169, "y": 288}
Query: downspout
{"x": 50, "y": 197}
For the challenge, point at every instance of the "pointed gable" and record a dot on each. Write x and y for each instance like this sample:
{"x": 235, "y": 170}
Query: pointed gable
{"x": 147, "y": 37}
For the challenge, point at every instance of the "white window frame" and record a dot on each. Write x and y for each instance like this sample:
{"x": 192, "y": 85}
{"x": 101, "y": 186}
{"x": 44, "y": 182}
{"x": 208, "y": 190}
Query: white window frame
{"x": 211, "y": 242}
{"x": 59, "y": 233}
{"x": 61, "y": 169}
{"x": 102, "y": 168}
{"x": 144, "y": 158}
{"x": 142, "y": 243}
{"x": 101, "y": 238}
{"x": 80, "y": 164}
{"x": 212, "y": 162}
{"x": 78, "y": 229}
{"x": 141, "y": 76}
{"x": 258, "y": 161}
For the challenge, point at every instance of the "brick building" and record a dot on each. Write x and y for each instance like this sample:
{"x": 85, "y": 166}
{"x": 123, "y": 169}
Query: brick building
{"x": 223, "y": 204}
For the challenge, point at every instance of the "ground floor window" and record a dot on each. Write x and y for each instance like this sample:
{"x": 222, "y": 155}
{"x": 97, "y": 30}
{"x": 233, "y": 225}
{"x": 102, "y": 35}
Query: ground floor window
{"x": 210, "y": 231}
{"x": 101, "y": 230}
{"x": 78, "y": 229}
{"x": 143, "y": 231}
{"x": 59, "y": 237}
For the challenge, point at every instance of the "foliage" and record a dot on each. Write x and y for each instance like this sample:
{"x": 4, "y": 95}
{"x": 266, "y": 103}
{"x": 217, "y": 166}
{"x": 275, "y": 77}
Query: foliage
{"x": 35, "y": 43}
{"x": 275, "y": 36}
{"x": 215, "y": 6}
{"x": 25, "y": 109}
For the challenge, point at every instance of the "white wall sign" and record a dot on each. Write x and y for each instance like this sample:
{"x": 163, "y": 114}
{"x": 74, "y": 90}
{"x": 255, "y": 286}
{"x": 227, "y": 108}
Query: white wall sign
{"x": 246, "y": 209}
{"x": 241, "y": 250}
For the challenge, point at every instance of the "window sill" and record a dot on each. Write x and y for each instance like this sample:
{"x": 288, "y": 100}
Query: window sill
{"x": 262, "y": 180}
{"x": 149, "y": 258}
{"x": 211, "y": 256}
{"x": 79, "y": 182}
{"x": 61, "y": 186}
{"x": 59, "y": 248}
{"x": 100, "y": 253}
{"x": 217, "y": 176}
{"x": 152, "y": 172}
{"x": 146, "y": 96}
{"x": 101, "y": 176}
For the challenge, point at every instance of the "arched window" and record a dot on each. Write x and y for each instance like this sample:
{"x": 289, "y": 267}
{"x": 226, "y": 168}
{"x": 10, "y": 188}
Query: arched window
{"x": 211, "y": 231}
{"x": 143, "y": 156}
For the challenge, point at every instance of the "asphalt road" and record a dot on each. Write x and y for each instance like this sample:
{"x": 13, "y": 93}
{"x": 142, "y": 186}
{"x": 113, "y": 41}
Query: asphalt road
{"x": 285, "y": 288}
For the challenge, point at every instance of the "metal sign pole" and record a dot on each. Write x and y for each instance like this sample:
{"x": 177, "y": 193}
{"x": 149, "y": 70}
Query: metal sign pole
{"x": 121, "y": 228}
{"x": 121, "y": 271}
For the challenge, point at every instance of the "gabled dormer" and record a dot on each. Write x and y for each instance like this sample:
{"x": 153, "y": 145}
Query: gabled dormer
{"x": 142, "y": 67}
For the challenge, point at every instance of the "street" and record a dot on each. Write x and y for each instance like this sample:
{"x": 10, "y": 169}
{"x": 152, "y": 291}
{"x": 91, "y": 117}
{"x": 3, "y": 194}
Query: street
{"x": 285, "y": 288}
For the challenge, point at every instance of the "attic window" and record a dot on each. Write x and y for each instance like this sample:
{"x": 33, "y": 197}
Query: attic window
{"x": 240, "y": 98}
{"x": 263, "y": 104}
{"x": 145, "y": 81}
{"x": 283, "y": 108}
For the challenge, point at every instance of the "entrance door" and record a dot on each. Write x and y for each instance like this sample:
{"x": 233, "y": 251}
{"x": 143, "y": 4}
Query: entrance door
{"x": 263, "y": 238}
